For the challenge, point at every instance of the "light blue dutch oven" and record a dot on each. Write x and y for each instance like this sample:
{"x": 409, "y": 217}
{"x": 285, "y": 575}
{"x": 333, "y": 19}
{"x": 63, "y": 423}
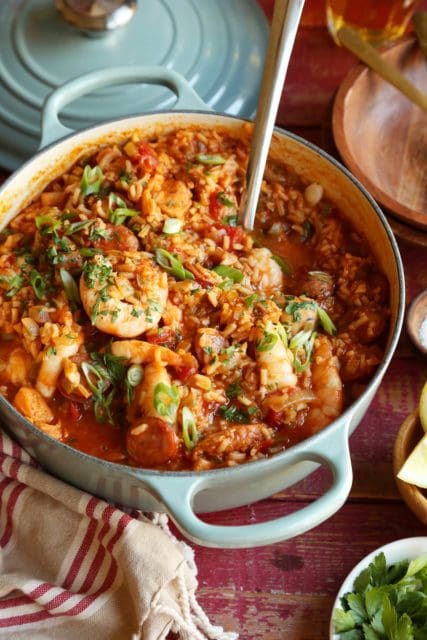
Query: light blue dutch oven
{"x": 184, "y": 494}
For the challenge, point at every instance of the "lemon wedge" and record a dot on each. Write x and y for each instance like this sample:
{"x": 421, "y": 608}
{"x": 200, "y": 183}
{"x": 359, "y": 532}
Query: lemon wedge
{"x": 423, "y": 408}
{"x": 414, "y": 469}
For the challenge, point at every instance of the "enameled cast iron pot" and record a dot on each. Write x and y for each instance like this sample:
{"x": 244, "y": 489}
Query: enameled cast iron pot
{"x": 183, "y": 494}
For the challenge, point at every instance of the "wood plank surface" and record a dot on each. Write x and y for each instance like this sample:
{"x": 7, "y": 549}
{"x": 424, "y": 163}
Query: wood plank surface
{"x": 286, "y": 591}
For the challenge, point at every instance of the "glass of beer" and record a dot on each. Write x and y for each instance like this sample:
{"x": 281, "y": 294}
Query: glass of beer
{"x": 376, "y": 21}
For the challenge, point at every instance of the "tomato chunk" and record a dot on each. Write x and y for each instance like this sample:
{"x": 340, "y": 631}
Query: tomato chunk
{"x": 146, "y": 157}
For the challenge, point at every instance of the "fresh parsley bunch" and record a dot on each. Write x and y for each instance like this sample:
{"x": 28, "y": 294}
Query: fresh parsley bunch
{"x": 387, "y": 602}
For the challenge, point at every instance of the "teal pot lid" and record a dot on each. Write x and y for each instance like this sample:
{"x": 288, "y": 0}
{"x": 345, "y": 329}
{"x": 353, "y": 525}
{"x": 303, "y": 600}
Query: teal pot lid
{"x": 218, "y": 46}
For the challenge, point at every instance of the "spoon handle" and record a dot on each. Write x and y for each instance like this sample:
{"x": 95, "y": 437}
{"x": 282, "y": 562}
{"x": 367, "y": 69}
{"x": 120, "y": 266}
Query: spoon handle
{"x": 352, "y": 41}
{"x": 286, "y": 17}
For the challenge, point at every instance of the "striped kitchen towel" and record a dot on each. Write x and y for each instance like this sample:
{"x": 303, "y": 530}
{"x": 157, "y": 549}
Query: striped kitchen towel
{"x": 73, "y": 566}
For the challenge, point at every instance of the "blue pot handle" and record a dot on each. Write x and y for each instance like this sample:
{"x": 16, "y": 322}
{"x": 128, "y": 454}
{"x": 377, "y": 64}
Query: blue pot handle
{"x": 177, "y": 494}
{"x": 53, "y": 130}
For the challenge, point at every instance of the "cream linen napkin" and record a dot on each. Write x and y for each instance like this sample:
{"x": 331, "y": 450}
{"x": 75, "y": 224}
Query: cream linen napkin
{"x": 75, "y": 567}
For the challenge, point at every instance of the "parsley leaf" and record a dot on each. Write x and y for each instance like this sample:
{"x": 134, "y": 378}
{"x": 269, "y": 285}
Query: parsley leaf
{"x": 388, "y": 602}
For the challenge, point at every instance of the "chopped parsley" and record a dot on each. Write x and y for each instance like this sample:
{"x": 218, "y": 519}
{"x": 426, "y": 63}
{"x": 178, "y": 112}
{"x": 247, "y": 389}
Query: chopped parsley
{"x": 233, "y": 413}
{"x": 233, "y": 390}
{"x": 222, "y": 198}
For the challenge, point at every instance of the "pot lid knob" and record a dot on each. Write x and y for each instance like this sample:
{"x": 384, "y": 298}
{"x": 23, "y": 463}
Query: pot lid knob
{"x": 96, "y": 17}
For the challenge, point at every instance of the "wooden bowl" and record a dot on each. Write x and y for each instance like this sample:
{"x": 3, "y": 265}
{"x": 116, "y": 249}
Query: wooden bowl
{"x": 410, "y": 433}
{"x": 382, "y": 136}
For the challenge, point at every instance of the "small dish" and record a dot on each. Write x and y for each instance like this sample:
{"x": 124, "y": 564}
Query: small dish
{"x": 409, "y": 434}
{"x": 404, "y": 549}
{"x": 416, "y": 321}
{"x": 382, "y": 136}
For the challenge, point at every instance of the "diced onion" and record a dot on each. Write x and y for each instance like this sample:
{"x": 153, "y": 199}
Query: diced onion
{"x": 172, "y": 226}
{"x": 313, "y": 193}
{"x": 280, "y": 401}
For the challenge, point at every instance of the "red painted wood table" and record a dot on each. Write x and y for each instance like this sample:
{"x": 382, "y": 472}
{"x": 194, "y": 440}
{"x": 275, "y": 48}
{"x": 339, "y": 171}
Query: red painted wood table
{"x": 285, "y": 591}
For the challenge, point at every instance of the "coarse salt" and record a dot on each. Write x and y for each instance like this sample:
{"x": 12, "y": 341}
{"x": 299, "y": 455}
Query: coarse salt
{"x": 422, "y": 332}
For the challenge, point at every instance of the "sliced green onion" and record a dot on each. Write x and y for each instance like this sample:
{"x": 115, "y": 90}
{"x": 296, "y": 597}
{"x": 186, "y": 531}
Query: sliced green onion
{"x": 251, "y": 300}
{"x": 286, "y": 269}
{"x": 166, "y": 400}
{"x": 299, "y": 339}
{"x": 267, "y": 342}
{"x": 282, "y": 334}
{"x": 118, "y": 216}
{"x": 121, "y": 211}
{"x": 189, "y": 429}
{"x": 308, "y": 347}
{"x": 14, "y": 283}
{"x": 302, "y": 340}
{"x": 91, "y": 180}
{"x": 172, "y": 226}
{"x": 222, "y": 198}
{"x": 70, "y": 286}
{"x": 89, "y": 369}
{"x": 134, "y": 375}
{"x": 75, "y": 227}
{"x": 87, "y": 252}
{"x": 47, "y": 224}
{"x": 206, "y": 158}
{"x": 228, "y": 272}
{"x": 232, "y": 221}
{"x": 172, "y": 265}
{"x": 38, "y": 283}
{"x": 326, "y": 321}
{"x": 98, "y": 379}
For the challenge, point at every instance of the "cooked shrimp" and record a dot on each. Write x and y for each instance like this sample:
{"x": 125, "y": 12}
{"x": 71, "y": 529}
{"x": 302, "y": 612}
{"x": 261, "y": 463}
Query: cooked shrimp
{"x": 236, "y": 438}
{"x": 141, "y": 352}
{"x": 326, "y": 385}
{"x": 124, "y": 294}
{"x": 275, "y": 361}
{"x": 61, "y": 342}
{"x": 262, "y": 271}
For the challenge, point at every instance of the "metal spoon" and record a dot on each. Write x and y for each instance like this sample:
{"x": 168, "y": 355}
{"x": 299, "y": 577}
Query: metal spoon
{"x": 284, "y": 25}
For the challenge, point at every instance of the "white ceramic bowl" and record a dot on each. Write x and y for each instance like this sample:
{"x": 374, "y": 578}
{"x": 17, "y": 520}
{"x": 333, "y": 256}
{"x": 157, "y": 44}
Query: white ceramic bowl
{"x": 404, "y": 549}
